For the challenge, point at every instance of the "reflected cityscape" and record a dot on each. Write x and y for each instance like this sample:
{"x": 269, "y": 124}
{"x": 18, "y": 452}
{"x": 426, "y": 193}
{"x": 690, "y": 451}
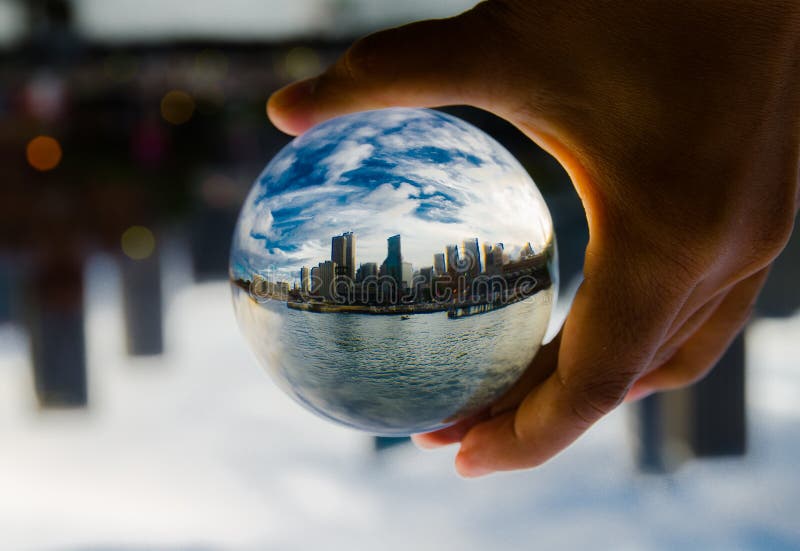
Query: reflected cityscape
{"x": 461, "y": 280}
{"x": 366, "y": 221}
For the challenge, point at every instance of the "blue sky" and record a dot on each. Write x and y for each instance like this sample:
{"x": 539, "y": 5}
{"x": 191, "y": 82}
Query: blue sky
{"x": 426, "y": 175}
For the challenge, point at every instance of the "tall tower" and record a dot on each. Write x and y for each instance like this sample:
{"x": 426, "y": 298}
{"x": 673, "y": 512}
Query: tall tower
{"x": 473, "y": 257}
{"x": 492, "y": 258}
{"x": 304, "y": 280}
{"x": 316, "y": 280}
{"x": 343, "y": 253}
{"x": 453, "y": 262}
{"x": 327, "y": 276}
{"x": 350, "y": 253}
{"x": 394, "y": 259}
{"x": 439, "y": 265}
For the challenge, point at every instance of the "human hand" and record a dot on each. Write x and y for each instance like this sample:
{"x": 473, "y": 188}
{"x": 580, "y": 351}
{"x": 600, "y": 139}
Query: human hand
{"x": 679, "y": 125}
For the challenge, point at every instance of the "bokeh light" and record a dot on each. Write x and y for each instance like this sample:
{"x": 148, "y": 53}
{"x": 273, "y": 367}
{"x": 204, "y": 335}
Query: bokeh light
{"x": 44, "y": 153}
{"x": 177, "y": 107}
{"x": 44, "y": 96}
{"x": 138, "y": 242}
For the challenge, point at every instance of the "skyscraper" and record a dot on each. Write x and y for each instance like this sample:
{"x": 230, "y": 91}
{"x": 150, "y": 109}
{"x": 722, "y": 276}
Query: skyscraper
{"x": 343, "y": 253}
{"x": 327, "y": 276}
{"x": 473, "y": 257}
{"x": 304, "y": 280}
{"x": 394, "y": 260}
{"x": 492, "y": 258}
{"x": 315, "y": 280}
{"x": 407, "y": 274}
{"x": 453, "y": 262}
{"x": 439, "y": 266}
{"x": 367, "y": 269}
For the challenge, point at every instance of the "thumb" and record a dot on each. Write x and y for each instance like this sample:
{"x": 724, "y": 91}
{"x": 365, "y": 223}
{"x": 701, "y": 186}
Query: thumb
{"x": 424, "y": 64}
{"x": 615, "y": 325}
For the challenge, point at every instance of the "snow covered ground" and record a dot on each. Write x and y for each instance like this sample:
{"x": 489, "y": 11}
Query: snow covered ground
{"x": 198, "y": 450}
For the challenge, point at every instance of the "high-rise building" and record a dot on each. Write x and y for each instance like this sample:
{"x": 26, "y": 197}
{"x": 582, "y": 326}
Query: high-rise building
{"x": 393, "y": 265}
{"x": 343, "y": 253}
{"x": 327, "y": 277}
{"x": 426, "y": 275}
{"x": 492, "y": 258}
{"x": 473, "y": 257}
{"x": 439, "y": 265}
{"x": 305, "y": 286}
{"x": 453, "y": 262}
{"x": 423, "y": 279}
{"x": 407, "y": 275}
{"x": 350, "y": 254}
{"x": 367, "y": 269}
{"x": 314, "y": 276}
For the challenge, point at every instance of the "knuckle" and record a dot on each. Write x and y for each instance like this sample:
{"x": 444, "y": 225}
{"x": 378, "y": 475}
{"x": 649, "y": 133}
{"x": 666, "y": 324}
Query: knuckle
{"x": 360, "y": 60}
{"x": 771, "y": 236}
{"x": 593, "y": 397}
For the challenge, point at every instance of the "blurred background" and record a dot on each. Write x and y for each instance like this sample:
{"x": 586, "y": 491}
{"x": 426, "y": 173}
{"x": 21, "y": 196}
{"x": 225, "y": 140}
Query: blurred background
{"x": 132, "y": 415}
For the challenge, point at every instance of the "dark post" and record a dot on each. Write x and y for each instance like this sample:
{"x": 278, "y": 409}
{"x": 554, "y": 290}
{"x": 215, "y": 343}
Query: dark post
{"x": 55, "y": 322}
{"x": 141, "y": 294}
{"x": 719, "y": 421}
{"x": 705, "y": 420}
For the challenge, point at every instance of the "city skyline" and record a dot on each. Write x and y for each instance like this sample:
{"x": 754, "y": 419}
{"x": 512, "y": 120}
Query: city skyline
{"x": 366, "y": 180}
{"x": 492, "y": 257}
{"x": 464, "y": 285}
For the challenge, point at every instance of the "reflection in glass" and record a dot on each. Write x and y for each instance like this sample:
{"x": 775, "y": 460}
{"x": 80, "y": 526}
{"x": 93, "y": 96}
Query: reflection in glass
{"x": 394, "y": 270}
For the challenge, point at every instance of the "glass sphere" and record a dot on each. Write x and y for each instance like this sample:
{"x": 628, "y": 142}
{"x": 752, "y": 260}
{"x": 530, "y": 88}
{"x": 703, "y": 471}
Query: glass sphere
{"x": 394, "y": 270}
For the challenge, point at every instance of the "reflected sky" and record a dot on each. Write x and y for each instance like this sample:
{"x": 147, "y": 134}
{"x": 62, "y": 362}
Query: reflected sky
{"x": 423, "y": 174}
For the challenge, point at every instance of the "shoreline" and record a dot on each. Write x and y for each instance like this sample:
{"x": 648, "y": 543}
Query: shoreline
{"x": 393, "y": 310}
{"x": 453, "y": 310}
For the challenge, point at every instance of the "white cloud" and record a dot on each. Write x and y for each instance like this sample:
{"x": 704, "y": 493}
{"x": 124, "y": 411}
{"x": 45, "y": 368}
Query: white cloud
{"x": 492, "y": 199}
{"x": 348, "y": 156}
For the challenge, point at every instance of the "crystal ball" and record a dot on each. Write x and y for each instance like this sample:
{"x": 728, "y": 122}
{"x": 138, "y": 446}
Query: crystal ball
{"x": 394, "y": 270}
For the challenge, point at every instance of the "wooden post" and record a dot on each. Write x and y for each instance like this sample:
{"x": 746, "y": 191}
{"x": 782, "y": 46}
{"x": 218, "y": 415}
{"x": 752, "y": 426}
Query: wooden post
{"x": 142, "y": 305}
{"x": 707, "y": 419}
{"x": 55, "y": 322}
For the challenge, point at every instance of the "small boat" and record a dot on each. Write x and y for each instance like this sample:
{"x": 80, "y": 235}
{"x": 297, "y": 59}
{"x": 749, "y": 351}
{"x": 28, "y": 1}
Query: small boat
{"x": 404, "y": 317}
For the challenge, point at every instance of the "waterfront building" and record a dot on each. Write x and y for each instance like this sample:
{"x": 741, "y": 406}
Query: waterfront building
{"x": 492, "y": 258}
{"x": 343, "y": 253}
{"x": 305, "y": 286}
{"x": 367, "y": 269}
{"x": 439, "y": 265}
{"x": 473, "y": 256}
{"x": 282, "y": 289}
{"x": 453, "y": 261}
{"x": 424, "y": 281}
{"x": 393, "y": 265}
{"x": 407, "y": 275}
{"x": 327, "y": 276}
{"x": 315, "y": 280}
